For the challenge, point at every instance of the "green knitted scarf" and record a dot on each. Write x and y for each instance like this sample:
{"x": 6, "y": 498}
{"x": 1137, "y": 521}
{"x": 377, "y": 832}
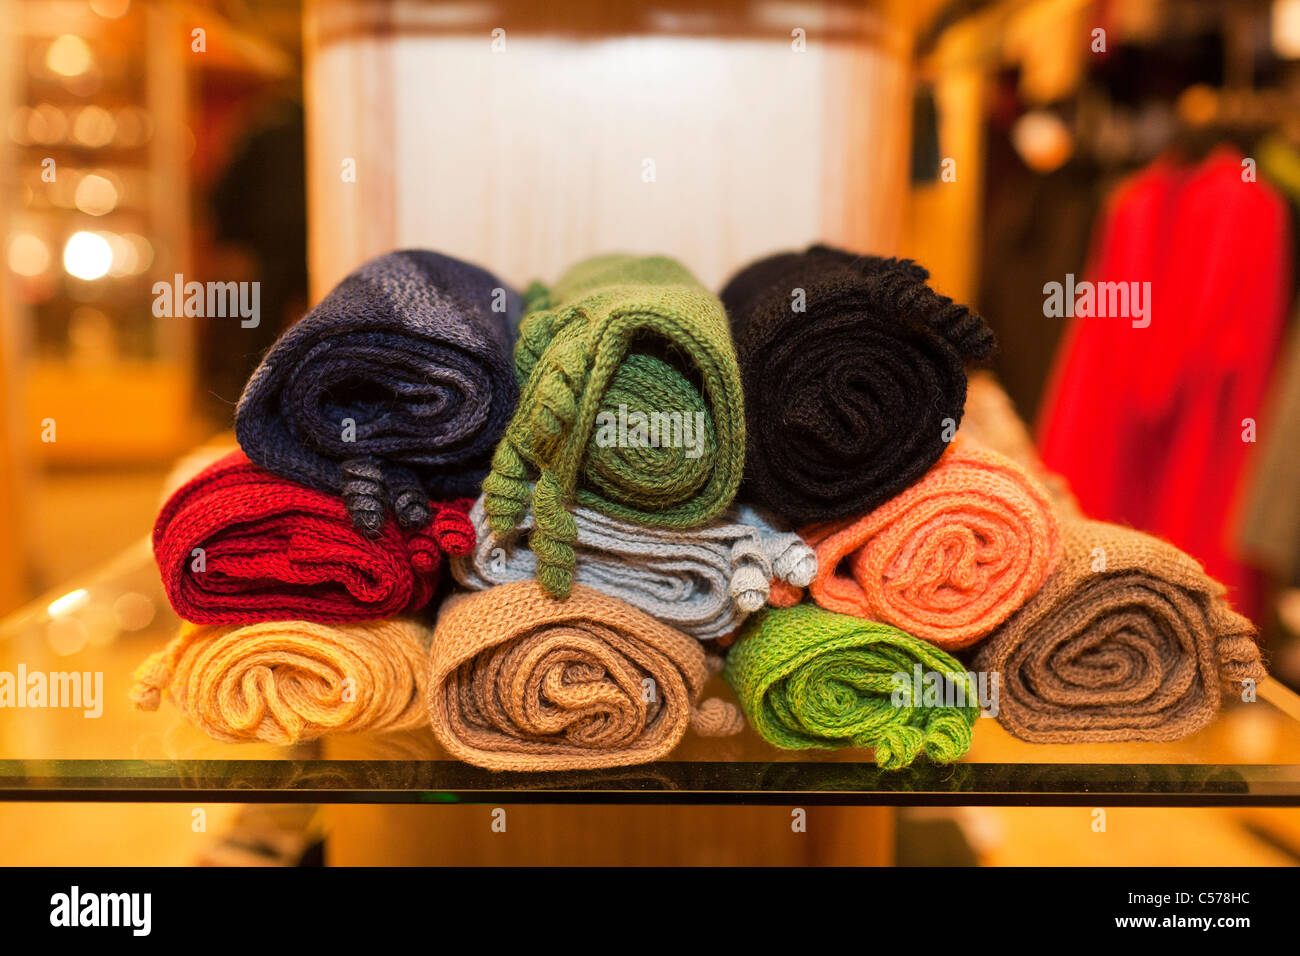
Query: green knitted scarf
{"x": 627, "y": 337}
{"x": 810, "y": 678}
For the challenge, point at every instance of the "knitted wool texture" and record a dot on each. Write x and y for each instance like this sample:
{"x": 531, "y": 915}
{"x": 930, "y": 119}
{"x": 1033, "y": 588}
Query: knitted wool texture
{"x": 950, "y": 558}
{"x": 853, "y": 375}
{"x": 238, "y": 544}
{"x": 521, "y": 681}
{"x": 1128, "y": 640}
{"x": 290, "y": 681}
{"x": 618, "y": 333}
{"x": 393, "y": 390}
{"x": 702, "y": 582}
{"x": 810, "y": 678}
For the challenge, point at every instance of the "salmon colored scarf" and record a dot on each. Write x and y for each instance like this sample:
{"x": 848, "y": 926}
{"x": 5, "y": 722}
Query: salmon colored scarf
{"x": 949, "y": 559}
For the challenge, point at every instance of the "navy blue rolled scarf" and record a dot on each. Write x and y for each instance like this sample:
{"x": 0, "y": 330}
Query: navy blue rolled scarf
{"x": 393, "y": 390}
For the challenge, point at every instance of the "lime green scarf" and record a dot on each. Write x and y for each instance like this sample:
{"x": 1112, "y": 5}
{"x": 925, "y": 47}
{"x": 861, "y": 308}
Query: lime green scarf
{"x": 810, "y": 678}
{"x": 617, "y": 338}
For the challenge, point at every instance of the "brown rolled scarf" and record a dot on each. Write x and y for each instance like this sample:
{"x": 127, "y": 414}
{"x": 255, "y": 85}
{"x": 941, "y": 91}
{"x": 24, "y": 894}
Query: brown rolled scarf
{"x": 284, "y": 682}
{"x": 522, "y": 681}
{"x": 1128, "y": 640}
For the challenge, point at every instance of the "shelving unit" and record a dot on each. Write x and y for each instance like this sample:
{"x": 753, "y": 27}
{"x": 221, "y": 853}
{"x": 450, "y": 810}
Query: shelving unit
{"x": 97, "y": 130}
{"x": 157, "y": 757}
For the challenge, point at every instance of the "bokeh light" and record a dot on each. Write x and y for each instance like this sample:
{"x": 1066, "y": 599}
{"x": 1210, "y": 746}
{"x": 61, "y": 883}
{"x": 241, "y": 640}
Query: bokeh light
{"x": 94, "y": 126}
{"x": 69, "y": 55}
{"x": 96, "y": 194}
{"x": 142, "y": 252}
{"x": 132, "y": 127}
{"x": 87, "y": 256}
{"x": 46, "y": 124}
{"x": 66, "y": 635}
{"x": 28, "y": 254}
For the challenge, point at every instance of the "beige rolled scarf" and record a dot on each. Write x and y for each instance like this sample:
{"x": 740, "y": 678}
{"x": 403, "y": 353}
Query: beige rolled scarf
{"x": 522, "y": 681}
{"x": 283, "y": 682}
{"x": 1128, "y": 640}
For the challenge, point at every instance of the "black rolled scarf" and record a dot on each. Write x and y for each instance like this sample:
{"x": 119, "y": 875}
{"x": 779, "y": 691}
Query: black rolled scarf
{"x": 854, "y": 377}
{"x": 393, "y": 390}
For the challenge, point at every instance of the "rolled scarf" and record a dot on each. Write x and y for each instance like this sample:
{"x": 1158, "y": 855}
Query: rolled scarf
{"x": 392, "y": 391}
{"x": 703, "y": 582}
{"x": 238, "y": 544}
{"x": 521, "y": 681}
{"x": 1128, "y": 640}
{"x": 290, "y": 681}
{"x": 810, "y": 678}
{"x": 631, "y": 406}
{"x": 950, "y": 558}
{"x": 854, "y": 377}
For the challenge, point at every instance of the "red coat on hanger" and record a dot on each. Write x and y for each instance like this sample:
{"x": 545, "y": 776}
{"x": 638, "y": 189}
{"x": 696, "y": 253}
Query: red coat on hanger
{"x": 1151, "y": 425}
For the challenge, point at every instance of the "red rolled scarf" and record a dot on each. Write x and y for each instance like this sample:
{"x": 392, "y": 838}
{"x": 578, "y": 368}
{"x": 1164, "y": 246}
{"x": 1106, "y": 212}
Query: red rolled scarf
{"x": 238, "y": 544}
{"x": 947, "y": 560}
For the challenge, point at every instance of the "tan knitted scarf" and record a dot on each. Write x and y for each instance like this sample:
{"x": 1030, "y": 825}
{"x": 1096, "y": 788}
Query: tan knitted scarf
{"x": 288, "y": 681}
{"x": 522, "y": 681}
{"x": 1128, "y": 640}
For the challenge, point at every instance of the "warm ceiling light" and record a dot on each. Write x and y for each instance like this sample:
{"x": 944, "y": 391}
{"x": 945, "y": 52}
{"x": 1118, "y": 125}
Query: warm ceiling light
{"x": 87, "y": 256}
{"x": 28, "y": 254}
{"x": 96, "y": 195}
{"x": 69, "y": 55}
{"x": 1043, "y": 140}
{"x": 1286, "y": 29}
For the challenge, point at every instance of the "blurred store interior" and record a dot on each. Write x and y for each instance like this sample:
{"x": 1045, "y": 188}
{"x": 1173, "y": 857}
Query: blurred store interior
{"x": 144, "y": 140}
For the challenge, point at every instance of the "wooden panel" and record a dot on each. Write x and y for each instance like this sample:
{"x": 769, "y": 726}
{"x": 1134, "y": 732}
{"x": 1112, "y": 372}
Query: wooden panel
{"x": 596, "y": 836}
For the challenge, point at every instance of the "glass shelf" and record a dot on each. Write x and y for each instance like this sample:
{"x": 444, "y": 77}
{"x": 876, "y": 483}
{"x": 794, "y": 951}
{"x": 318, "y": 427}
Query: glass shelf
{"x": 114, "y": 618}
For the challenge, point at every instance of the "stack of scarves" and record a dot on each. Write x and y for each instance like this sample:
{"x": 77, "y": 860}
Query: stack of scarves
{"x": 618, "y": 341}
{"x": 702, "y": 582}
{"x": 597, "y": 564}
{"x": 1090, "y": 632}
{"x": 934, "y": 569}
{"x": 365, "y": 433}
